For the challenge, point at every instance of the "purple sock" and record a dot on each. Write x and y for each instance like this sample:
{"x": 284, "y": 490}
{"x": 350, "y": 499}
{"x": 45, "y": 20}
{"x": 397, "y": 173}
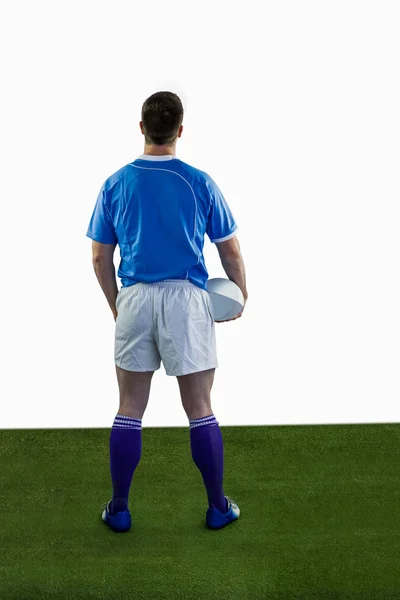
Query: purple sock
{"x": 125, "y": 453}
{"x": 208, "y": 455}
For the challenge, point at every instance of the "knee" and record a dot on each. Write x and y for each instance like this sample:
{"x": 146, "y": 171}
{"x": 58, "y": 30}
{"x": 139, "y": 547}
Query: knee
{"x": 198, "y": 410}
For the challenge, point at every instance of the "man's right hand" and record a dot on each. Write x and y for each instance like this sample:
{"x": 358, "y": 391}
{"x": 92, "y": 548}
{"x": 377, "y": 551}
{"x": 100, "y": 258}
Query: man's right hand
{"x": 237, "y": 316}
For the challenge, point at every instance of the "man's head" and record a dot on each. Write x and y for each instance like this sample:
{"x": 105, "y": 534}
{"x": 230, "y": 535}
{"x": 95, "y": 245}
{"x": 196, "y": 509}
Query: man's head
{"x": 161, "y": 124}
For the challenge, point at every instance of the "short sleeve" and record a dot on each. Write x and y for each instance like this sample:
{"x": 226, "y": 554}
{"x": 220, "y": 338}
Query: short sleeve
{"x": 221, "y": 225}
{"x": 101, "y": 228}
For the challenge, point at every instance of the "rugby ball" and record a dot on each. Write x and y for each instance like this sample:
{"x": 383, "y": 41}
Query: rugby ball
{"x": 226, "y": 298}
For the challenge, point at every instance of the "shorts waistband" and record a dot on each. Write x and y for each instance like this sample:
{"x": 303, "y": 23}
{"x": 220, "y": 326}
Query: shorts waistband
{"x": 168, "y": 282}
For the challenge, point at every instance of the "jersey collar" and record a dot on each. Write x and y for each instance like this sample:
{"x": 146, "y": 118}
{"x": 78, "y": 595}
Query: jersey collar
{"x": 151, "y": 157}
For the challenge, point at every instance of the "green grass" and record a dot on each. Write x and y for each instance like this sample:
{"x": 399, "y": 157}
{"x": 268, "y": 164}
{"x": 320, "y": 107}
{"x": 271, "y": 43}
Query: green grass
{"x": 320, "y": 517}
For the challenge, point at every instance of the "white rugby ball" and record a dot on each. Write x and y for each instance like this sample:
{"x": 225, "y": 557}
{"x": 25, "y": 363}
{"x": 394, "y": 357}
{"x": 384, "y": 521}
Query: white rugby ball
{"x": 226, "y": 298}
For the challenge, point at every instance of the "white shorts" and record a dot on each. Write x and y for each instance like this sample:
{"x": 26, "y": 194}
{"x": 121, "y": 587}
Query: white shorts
{"x": 170, "y": 321}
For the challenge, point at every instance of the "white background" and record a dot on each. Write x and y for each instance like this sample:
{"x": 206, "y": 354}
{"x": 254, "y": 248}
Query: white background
{"x": 293, "y": 109}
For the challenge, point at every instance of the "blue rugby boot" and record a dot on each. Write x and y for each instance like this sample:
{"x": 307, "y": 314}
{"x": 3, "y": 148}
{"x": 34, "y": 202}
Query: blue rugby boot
{"x": 119, "y": 522}
{"x": 216, "y": 519}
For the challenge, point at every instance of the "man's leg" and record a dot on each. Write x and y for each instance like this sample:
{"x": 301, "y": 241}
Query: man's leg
{"x": 134, "y": 392}
{"x": 205, "y": 435}
{"x": 126, "y": 433}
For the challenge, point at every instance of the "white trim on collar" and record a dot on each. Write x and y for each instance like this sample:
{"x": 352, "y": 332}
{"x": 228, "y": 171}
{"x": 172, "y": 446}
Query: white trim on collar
{"x": 152, "y": 157}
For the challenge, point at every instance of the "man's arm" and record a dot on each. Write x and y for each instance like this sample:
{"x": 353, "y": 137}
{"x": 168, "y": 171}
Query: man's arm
{"x": 103, "y": 264}
{"x": 232, "y": 263}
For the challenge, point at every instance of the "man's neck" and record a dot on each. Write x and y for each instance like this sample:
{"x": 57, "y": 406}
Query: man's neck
{"x": 160, "y": 150}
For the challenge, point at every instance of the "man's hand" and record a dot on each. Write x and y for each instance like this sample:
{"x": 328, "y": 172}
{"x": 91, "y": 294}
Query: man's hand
{"x": 115, "y": 315}
{"x": 237, "y": 316}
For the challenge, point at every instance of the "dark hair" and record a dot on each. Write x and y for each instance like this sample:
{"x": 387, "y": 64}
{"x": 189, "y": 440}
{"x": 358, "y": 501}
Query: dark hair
{"x": 162, "y": 115}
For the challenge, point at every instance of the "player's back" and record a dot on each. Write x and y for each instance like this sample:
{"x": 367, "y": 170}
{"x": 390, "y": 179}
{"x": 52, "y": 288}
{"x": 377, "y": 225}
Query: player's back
{"x": 160, "y": 208}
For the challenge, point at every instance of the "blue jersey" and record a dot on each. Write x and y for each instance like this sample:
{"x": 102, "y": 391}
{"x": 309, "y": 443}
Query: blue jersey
{"x": 158, "y": 209}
